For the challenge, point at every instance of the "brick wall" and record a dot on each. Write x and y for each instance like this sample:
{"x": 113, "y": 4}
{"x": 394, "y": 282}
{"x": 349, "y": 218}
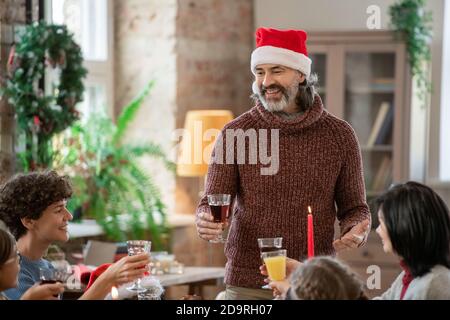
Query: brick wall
{"x": 198, "y": 51}
{"x": 12, "y": 13}
{"x": 145, "y": 50}
{"x": 214, "y": 43}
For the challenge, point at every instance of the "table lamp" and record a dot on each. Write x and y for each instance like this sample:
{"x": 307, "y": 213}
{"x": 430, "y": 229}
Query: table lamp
{"x": 201, "y": 129}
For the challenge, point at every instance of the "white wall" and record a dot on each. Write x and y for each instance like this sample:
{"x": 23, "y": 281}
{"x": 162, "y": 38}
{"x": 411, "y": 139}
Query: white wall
{"x": 318, "y": 15}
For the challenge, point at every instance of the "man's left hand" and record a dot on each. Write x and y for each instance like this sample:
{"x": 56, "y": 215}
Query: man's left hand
{"x": 354, "y": 237}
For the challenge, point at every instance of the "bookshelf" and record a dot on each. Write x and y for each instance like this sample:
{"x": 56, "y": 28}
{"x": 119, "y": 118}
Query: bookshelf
{"x": 366, "y": 80}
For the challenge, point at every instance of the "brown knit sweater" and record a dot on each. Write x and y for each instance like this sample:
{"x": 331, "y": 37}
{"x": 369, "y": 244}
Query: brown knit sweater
{"x": 319, "y": 165}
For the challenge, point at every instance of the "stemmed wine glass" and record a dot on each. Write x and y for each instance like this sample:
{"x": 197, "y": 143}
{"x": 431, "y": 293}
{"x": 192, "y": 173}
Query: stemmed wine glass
{"x": 219, "y": 205}
{"x": 51, "y": 276}
{"x": 136, "y": 247}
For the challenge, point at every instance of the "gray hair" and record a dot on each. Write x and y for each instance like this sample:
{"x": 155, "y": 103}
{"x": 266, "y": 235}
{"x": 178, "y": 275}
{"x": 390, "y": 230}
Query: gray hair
{"x": 305, "y": 94}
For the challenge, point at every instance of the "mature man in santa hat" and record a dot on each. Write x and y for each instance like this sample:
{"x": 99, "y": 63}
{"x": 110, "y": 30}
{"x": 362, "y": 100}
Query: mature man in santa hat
{"x": 319, "y": 166}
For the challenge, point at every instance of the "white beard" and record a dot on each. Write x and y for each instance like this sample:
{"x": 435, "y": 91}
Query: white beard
{"x": 280, "y": 105}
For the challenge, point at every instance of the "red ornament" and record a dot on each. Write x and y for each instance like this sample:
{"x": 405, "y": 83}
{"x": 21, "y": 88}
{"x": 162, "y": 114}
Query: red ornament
{"x": 37, "y": 121}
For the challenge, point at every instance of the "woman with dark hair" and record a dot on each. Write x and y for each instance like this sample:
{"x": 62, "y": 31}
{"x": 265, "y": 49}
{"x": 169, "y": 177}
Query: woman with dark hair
{"x": 415, "y": 226}
{"x": 9, "y": 271}
{"x": 33, "y": 207}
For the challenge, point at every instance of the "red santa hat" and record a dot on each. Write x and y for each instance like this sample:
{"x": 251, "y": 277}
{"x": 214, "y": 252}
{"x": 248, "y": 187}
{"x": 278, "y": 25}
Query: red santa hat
{"x": 283, "y": 47}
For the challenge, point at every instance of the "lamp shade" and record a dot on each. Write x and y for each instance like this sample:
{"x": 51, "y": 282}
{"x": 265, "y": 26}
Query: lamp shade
{"x": 201, "y": 129}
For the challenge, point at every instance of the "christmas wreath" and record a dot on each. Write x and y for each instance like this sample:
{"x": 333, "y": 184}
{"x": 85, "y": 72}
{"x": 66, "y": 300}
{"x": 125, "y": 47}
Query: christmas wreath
{"x": 43, "y": 114}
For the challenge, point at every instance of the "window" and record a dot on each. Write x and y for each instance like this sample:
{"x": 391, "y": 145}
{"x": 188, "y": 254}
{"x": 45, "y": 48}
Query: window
{"x": 444, "y": 141}
{"x": 92, "y": 25}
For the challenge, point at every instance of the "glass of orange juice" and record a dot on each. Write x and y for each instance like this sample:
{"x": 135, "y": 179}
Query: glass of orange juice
{"x": 275, "y": 262}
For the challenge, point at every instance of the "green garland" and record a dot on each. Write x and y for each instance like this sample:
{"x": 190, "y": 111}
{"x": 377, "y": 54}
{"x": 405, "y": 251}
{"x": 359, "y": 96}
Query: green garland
{"x": 411, "y": 22}
{"x": 41, "y": 116}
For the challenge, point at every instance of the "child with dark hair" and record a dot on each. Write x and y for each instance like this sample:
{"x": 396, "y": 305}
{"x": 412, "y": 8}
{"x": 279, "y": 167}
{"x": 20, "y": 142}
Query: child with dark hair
{"x": 9, "y": 271}
{"x": 415, "y": 226}
{"x": 324, "y": 278}
{"x": 33, "y": 207}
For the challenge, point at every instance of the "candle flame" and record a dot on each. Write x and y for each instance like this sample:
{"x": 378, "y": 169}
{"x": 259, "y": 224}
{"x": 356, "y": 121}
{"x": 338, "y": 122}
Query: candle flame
{"x": 114, "y": 293}
{"x": 309, "y": 210}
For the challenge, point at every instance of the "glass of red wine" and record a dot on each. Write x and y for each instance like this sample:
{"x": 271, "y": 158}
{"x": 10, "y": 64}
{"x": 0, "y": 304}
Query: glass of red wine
{"x": 269, "y": 245}
{"x": 51, "y": 276}
{"x": 219, "y": 205}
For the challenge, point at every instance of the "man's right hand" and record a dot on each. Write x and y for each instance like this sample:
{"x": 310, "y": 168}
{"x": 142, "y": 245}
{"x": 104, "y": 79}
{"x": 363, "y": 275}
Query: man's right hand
{"x": 206, "y": 228}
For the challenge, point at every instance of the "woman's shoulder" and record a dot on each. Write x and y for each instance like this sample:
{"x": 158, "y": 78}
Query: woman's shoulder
{"x": 47, "y": 264}
{"x": 437, "y": 273}
{"x": 40, "y": 263}
{"x": 441, "y": 273}
{"x": 437, "y": 282}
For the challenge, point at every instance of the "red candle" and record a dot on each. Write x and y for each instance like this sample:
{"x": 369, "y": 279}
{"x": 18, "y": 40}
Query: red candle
{"x": 310, "y": 234}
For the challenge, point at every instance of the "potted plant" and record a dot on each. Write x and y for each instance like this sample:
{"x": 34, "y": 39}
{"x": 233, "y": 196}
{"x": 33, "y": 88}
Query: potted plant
{"x": 109, "y": 184}
{"x": 412, "y": 23}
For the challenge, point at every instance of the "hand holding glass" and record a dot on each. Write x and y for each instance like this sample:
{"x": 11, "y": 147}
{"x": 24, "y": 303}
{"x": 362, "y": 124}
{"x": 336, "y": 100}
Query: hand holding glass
{"x": 219, "y": 205}
{"x": 136, "y": 247}
{"x": 51, "y": 276}
{"x": 268, "y": 245}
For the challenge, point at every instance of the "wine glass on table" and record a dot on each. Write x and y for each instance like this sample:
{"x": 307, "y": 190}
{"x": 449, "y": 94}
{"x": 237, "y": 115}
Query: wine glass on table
{"x": 136, "y": 247}
{"x": 219, "y": 205}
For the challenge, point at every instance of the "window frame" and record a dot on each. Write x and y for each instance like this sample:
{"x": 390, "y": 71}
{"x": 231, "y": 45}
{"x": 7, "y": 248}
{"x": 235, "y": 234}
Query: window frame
{"x": 444, "y": 125}
{"x": 100, "y": 72}
{"x": 439, "y": 108}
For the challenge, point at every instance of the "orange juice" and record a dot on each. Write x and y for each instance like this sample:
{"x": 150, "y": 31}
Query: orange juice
{"x": 276, "y": 267}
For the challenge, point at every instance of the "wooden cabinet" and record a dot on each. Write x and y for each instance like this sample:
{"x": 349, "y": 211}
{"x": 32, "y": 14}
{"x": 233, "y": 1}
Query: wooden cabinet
{"x": 364, "y": 79}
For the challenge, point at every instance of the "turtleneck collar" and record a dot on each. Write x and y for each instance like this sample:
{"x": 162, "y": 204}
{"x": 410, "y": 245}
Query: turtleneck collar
{"x": 302, "y": 121}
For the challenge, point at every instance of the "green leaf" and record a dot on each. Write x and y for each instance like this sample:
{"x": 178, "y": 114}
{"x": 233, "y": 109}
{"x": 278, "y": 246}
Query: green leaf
{"x": 412, "y": 22}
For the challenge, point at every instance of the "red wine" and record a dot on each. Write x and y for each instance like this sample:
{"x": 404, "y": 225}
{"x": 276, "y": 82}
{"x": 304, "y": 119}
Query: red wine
{"x": 48, "y": 281}
{"x": 220, "y": 213}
